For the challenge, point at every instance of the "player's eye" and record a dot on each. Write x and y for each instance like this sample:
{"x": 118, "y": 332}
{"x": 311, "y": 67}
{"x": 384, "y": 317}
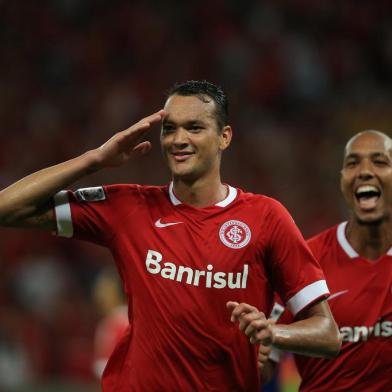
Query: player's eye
{"x": 195, "y": 128}
{"x": 350, "y": 163}
{"x": 167, "y": 129}
{"x": 381, "y": 162}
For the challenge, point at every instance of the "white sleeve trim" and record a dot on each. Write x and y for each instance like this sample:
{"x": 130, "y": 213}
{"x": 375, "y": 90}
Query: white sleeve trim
{"x": 275, "y": 355}
{"x": 276, "y": 312}
{"x": 63, "y": 214}
{"x": 308, "y": 294}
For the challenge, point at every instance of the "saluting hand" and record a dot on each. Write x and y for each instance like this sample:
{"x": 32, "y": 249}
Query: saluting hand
{"x": 127, "y": 144}
{"x": 253, "y": 323}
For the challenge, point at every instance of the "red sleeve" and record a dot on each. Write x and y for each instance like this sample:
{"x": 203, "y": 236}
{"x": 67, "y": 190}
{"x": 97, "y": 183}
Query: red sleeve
{"x": 93, "y": 214}
{"x": 297, "y": 276}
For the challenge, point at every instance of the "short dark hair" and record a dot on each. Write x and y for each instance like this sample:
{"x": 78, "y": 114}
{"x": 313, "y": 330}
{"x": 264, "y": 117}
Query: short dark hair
{"x": 201, "y": 89}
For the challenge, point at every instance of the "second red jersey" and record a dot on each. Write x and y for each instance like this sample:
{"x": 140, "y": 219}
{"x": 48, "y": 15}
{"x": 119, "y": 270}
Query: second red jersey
{"x": 361, "y": 303}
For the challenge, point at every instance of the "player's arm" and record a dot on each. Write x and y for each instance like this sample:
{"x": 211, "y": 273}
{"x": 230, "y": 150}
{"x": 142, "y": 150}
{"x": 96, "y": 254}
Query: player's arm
{"x": 27, "y": 203}
{"x": 315, "y": 332}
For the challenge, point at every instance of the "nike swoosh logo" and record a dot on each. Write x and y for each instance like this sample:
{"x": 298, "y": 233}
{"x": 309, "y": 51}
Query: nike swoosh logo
{"x": 158, "y": 223}
{"x": 334, "y": 295}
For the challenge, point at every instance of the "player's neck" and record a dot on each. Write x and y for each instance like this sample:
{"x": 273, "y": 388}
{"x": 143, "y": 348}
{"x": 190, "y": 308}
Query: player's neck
{"x": 200, "y": 193}
{"x": 370, "y": 241}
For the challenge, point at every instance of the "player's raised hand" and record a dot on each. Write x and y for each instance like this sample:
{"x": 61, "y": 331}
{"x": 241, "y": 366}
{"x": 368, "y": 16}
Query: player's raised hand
{"x": 127, "y": 144}
{"x": 253, "y": 323}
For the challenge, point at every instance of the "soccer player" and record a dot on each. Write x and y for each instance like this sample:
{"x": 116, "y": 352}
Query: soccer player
{"x": 356, "y": 257}
{"x": 184, "y": 251}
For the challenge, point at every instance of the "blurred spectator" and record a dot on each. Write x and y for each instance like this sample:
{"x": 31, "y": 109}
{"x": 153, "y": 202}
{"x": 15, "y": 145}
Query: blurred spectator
{"x": 15, "y": 365}
{"x": 110, "y": 302}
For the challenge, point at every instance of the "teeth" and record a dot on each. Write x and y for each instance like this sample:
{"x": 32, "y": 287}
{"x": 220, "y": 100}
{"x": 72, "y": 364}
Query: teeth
{"x": 366, "y": 188}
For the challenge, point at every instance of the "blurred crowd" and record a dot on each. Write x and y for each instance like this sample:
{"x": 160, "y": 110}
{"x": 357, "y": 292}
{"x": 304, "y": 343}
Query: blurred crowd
{"x": 301, "y": 75}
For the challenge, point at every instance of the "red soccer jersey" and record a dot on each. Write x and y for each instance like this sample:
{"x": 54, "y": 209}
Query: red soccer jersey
{"x": 179, "y": 266}
{"x": 361, "y": 302}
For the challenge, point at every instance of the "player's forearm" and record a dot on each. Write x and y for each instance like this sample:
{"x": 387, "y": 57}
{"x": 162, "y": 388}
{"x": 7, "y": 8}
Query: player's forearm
{"x": 30, "y": 194}
{"x": 315, "y": 336}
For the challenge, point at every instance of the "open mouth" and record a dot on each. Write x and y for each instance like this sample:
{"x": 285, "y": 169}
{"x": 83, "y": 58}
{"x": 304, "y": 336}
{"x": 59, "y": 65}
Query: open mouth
{"x": 367, "y": 196}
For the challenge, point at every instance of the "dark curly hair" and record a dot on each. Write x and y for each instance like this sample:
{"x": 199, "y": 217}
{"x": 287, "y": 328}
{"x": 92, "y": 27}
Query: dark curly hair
{"x": 203, "y": 89}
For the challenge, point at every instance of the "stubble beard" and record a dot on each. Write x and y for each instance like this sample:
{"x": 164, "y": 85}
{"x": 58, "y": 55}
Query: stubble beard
{"x": 373, "y": 222}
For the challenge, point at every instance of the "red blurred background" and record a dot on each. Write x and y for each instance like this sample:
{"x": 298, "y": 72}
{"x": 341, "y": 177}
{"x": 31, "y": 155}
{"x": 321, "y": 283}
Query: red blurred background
{"x": 302, "y": 76}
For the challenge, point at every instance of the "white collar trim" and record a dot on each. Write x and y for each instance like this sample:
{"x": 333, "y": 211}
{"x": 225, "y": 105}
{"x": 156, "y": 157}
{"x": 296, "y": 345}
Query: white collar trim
{"x": 232, "y": 194}
{"x": 229, "y": 198}
{"x": 172, "y": 196}
{"x": 342, "y": 239}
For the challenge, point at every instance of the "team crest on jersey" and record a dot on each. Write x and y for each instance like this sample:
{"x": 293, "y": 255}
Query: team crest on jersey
{"x": 90, "y": 194}
{"x": 235, "y": 234}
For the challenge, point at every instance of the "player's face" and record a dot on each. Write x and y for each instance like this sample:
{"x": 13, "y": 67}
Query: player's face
{"x": 190, "y": 139}
{"x": 366, "y": 180}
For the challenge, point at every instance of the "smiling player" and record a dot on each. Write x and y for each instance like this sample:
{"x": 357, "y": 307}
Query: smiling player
{"x": 185, "y": 250}
{"x": 356, "y": 257}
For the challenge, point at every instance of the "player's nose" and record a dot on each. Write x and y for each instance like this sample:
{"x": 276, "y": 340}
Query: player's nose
{"x": 365, "y": 169}
{"x": 180, "y": 137}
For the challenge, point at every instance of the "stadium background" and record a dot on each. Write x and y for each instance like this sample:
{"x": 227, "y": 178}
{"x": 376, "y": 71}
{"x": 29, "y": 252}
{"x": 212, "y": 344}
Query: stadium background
{"x": 301, "y": 75}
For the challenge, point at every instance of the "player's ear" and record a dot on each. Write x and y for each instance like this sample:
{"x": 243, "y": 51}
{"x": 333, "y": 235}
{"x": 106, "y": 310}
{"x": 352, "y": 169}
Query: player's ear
{"x": 225, "y": 137}
{"x": 341, "y": 181}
